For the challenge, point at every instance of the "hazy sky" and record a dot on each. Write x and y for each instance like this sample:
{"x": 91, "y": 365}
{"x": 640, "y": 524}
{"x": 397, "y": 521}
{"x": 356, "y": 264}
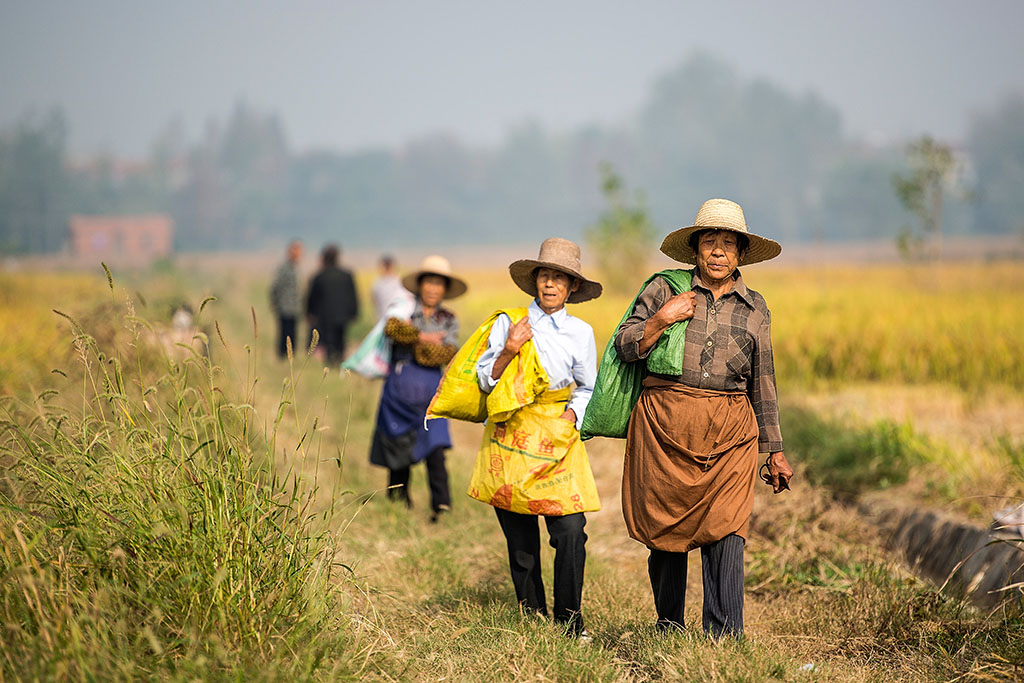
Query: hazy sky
{"x": 356, "y": 74}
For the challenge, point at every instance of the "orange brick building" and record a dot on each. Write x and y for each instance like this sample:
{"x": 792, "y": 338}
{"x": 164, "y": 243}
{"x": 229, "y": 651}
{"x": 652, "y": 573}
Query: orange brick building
{"x": 132, "y": 240}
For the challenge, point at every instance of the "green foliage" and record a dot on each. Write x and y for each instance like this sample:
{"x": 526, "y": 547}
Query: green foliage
{"x": 1012, "y": 451}
{"x": 850, "y": 460}
{"x": 623, "y": 237}
{"x": 144, "y": 532}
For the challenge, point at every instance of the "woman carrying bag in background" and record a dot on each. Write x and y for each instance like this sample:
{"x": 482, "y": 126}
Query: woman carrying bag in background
{"x": 421, "y": 347}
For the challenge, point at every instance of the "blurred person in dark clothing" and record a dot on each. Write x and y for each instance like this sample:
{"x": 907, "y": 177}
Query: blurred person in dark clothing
{"x": 284, "y": 297}
{"x": 331, "y": 304}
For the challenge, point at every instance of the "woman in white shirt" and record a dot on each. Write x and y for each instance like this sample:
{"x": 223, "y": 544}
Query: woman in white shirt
{"x": 545, "y": 433}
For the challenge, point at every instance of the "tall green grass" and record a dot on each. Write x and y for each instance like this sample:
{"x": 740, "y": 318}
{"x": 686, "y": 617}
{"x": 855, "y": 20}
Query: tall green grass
{"x": 144, "y": 531}
{"x": 850, "y": 459}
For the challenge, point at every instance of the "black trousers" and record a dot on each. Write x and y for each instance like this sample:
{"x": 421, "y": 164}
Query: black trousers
{"x": 437, "y": 479}
{"x": 522, "y": 535}
{"x": 285, "y": 329}
{"x": 722, "y": 567}
{"x": 332, "y": 341}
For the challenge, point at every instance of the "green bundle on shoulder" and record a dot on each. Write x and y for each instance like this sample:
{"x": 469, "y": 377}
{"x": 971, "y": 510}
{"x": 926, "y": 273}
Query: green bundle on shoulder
{"x": 618, "y": 383}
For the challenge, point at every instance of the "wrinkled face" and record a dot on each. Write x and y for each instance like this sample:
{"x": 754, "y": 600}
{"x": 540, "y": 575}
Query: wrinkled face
{"x": 432, "y": 289}
{"x": 295, "y": 252}
{"x": 553, "y": 288}
{"x": 717, "y": 254}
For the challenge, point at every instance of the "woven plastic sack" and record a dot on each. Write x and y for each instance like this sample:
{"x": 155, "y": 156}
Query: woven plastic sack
{"x": 618, "y": 384}
{"x": 373, "y": 357}
{"x": 534, "y": 463}
{"x": 459, "y": 395}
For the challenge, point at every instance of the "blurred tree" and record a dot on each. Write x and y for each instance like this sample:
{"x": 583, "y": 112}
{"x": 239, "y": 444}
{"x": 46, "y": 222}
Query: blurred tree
{"x": 933, "y": 169}
{"x": 996, "y": 146}
{"x": 705, "y": 132}
{"x": 34, "y": 185}
{"x": 235, "y": 186}
{"x": 623, "y": 237}
{"x": 857, "y": 200}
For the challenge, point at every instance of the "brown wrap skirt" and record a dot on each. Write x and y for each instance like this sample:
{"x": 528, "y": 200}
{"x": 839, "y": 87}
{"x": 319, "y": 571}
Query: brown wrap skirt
{"x": 690, "y": 466}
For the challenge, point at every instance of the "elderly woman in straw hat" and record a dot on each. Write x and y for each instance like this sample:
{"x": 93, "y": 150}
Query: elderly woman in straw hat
{"x": 422, "y": 346}
{"x": 553, "y": 477}
{"x": 695, "y": 433}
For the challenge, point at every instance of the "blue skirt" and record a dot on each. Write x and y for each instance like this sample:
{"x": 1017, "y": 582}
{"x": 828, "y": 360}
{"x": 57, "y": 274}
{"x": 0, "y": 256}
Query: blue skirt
{"x": 400, "y": 438}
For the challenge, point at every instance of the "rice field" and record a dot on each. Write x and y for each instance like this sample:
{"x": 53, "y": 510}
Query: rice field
{"x": 958, "y": 324}
{"x": 145, "y": 532}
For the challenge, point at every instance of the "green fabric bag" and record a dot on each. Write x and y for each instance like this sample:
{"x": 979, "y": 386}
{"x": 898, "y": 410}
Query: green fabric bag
{"x": 618, "y": 383}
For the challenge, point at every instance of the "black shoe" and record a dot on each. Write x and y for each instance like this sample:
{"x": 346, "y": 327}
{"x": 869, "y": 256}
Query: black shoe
{"x": 400, "y": 495}
{"x": 441, "y": 510}
{"x": 669, "y": 626}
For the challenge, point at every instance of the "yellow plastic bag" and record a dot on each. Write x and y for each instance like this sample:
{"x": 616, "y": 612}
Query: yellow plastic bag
{"x": 534, "y": 463}
{"x": 459, "y": 395}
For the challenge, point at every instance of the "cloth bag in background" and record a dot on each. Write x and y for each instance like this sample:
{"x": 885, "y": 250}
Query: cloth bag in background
{"x": 619, "y": 384}
{"x": 373, "y": 357}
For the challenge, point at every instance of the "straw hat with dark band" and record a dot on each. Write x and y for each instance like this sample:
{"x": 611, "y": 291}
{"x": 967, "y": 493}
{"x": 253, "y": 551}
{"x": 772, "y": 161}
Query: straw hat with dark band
{"x": 559, "y": 254}
{"x": 719, "y": 214}
{"x": 435, "y": 265}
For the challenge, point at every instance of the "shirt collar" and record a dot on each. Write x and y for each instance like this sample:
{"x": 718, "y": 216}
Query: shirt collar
{"x": 738, "y": 287}
{"x": 557, "y": 318}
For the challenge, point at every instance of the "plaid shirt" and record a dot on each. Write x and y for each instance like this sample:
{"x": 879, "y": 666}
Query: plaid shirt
{"x": 284, "y": 292}
{"x": 728, "y": 347}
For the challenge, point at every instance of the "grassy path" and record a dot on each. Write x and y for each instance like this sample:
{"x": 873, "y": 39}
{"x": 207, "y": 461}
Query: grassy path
{"x": 824, "y": 602}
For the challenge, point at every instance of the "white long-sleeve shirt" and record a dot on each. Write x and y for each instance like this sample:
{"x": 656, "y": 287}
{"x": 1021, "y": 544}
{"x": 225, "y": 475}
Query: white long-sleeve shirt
{"x": 565, "y": 345}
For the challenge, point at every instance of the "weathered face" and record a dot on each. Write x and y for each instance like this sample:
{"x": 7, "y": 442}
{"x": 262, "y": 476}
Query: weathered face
{"x": 432, "y": 289}
{"x": 295, "y": 252}
{"x": 717, "y": 254}
{"x": 553, "y": 288}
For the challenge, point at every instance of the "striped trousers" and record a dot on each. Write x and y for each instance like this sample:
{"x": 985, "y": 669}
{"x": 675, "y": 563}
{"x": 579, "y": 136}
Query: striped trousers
{"x": 722, "y": 567}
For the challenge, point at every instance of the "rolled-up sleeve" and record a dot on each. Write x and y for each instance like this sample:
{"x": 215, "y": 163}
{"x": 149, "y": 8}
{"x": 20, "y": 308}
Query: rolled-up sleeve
{"x": 763, "y": 394}
{"x": 584, "y": 373}
{"x": 631, "y": 330}
{"x": 495, "y": 343}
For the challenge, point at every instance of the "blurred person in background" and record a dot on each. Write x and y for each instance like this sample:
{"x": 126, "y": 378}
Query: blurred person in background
{"x": 386, "y": 287}
{"x": 694, "y": 435}
{"x": 331, "y": 304}
{"x": 421, "y": 348}
{"x": 284, "y": 297}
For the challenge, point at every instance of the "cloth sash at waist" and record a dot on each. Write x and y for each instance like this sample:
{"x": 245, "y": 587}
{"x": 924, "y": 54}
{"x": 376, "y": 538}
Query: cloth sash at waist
{"x": 690, "y": 466}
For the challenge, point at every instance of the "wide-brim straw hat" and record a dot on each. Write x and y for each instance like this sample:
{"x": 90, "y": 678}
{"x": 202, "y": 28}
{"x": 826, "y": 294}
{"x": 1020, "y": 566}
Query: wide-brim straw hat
{"x": 719, "y": 214}
{"x": 559, "y": 254}
{"x": 435, "y": 265}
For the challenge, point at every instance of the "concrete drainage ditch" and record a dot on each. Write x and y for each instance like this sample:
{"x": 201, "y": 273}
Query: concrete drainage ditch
{"x": 968, "y": 559}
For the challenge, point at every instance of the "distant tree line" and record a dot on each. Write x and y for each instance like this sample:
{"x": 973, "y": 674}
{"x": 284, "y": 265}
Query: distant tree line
{"x": 703, "y": 132}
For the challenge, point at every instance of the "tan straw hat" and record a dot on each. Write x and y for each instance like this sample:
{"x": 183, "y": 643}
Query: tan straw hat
{"x": 719, "y": 214}
{"x": 435, "y": 265}
{"x": 560, "y": 254}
